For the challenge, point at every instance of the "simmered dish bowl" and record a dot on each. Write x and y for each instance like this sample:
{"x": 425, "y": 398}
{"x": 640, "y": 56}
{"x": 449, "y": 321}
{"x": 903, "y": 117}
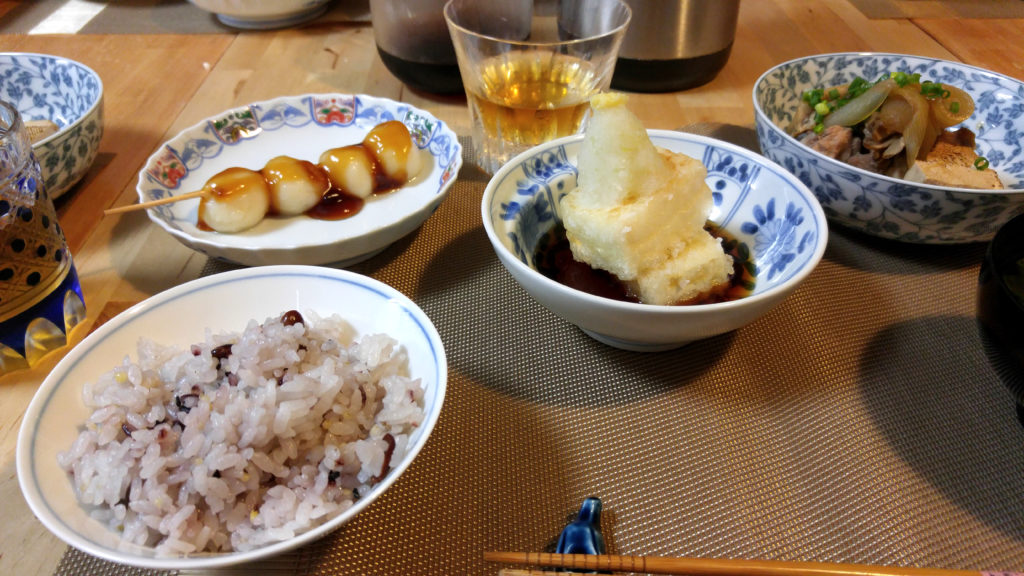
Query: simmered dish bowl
{"x": 302, "y": 127}
{"x": 883, "y": 205}
{"x": 69, "y": 95}
{"x": 771, "y": 215}
{"x": 225, "y": 408}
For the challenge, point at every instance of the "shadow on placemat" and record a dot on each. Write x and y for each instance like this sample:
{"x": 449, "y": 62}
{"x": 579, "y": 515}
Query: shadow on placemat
{"x": 858, "y": 250}
{"x": 934, "y": 424}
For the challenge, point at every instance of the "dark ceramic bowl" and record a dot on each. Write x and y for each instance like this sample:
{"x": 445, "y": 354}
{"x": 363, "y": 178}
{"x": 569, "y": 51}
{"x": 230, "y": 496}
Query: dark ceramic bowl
{"x": 1001, "y": 304}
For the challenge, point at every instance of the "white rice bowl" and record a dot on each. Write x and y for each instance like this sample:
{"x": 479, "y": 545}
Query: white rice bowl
{"x": 160, "y": 443}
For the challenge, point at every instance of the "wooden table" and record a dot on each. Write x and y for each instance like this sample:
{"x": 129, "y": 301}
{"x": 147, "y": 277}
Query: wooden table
{"x": 156, "y": 85}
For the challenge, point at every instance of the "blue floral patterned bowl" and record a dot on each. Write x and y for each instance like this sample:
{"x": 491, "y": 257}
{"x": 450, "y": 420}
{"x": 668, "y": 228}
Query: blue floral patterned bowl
{"x": 67, "y": 93}
{"x": 302, "y": 127}
{"x": 888, "y": 207}
{"x": 758, "y": 203}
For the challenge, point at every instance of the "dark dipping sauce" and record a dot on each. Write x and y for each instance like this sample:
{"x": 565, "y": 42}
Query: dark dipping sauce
{"x": 554, "y": 259}
{"x": 336, "y": 204}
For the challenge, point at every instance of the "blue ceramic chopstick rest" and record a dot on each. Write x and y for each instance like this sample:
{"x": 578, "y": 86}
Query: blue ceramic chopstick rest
{"x": 583, "y": 535}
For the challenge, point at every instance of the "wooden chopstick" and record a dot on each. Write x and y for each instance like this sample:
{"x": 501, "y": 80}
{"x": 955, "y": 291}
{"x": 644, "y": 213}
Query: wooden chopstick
{"x": 532, "y": 572}
{"x": 715, "y": 566}
{"x": 159, "y": 202}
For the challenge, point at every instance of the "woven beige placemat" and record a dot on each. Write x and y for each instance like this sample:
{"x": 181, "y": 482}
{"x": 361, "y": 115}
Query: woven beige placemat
{"x": 860, "y": 421}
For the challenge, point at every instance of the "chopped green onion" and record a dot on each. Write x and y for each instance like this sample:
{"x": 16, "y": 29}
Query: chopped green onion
{"x": 824, "y": 103}
{"x": 812, "y": 97}
{"x": 857, "y": 87}
{"x": 934, "y": 90}
{"x": 902, "y": 78}
{"x": 981, "y": 163}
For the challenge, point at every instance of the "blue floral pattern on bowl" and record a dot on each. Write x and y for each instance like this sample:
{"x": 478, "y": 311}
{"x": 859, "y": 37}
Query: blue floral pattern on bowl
{"x": 69, "y": 94}
{"x": 779, "y": 225}
{"x": 773, "y": 227}
{"x": 889, "y": 207}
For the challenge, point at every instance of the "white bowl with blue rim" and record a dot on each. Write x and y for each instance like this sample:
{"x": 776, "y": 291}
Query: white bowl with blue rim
{"x": 261, "y": 14}
{"x": 756, "y": 202}
{"x": 67, "y": 93}
{"x": 302, "y": 127}
{"x": 889, "y": 207}
{"x": 179, "y": 317}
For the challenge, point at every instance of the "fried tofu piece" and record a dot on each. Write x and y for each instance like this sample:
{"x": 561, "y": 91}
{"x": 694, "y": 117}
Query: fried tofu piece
{"x": 951, "y": 163}
{"x": 639, "y": 211}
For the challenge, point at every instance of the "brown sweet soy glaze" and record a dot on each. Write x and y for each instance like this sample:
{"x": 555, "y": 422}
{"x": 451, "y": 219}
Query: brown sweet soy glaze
{"x": 337, "y": 203}
{"x": 554, "y": 259}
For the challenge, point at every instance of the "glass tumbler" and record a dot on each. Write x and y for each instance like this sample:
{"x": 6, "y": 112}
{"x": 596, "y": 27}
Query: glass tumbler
{"x": 40, "y": 296}
{"x": 530, "y": 67}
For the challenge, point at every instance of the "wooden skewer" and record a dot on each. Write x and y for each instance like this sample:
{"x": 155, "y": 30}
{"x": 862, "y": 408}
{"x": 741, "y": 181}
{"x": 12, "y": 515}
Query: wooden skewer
{"x": 151, "y": 203}
{"x": 718, "y": 567}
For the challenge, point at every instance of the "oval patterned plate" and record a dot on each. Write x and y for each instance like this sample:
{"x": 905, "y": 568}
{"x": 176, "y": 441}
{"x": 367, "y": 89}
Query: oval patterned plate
{"x": 302, "y": 127}
{"x": 888, "y": 207}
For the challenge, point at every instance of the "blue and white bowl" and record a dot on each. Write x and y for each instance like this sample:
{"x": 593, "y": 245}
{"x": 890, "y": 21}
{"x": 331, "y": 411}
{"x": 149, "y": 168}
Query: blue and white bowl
{"x": 755, "y": 201}
{"x": 889, "y": 207}
{"x": 67, "y": 93}
{"x": 183, "y": 315}
{"x": 302, "y": 127}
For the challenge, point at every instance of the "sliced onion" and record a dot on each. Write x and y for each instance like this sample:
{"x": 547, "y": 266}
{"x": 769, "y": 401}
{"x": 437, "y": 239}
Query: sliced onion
{"x": 802, "y": 119}
{"x": 914, "y": 132}
{"x": 857, "y": 110}
{"x": 931, "y": 135}
{"x": 893, "y": 116}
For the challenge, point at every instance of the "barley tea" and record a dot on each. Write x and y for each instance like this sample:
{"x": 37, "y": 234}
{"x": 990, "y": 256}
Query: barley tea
{"x": 527, "y": 98}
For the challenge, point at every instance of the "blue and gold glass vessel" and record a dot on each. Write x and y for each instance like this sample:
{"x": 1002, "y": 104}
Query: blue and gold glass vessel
{"x": 40, "y": 295}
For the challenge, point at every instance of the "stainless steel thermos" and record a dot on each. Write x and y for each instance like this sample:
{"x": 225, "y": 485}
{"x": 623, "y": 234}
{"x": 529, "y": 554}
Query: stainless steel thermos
{"x": 675, "y": 44}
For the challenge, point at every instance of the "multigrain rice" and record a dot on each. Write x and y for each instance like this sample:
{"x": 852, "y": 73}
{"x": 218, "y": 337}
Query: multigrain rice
{"x": 245, "y": 439}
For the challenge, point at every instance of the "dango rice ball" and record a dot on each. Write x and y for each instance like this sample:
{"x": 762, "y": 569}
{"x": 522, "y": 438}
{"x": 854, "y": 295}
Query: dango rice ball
{"x": 391, "y": 145}
{"x": 236, "y": 199}
{"x": 351, "y": 169}
{"x": 295, "y": 185}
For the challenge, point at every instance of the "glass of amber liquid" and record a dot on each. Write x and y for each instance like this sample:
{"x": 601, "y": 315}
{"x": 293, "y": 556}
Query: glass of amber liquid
{"x": 529, "y": 68}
